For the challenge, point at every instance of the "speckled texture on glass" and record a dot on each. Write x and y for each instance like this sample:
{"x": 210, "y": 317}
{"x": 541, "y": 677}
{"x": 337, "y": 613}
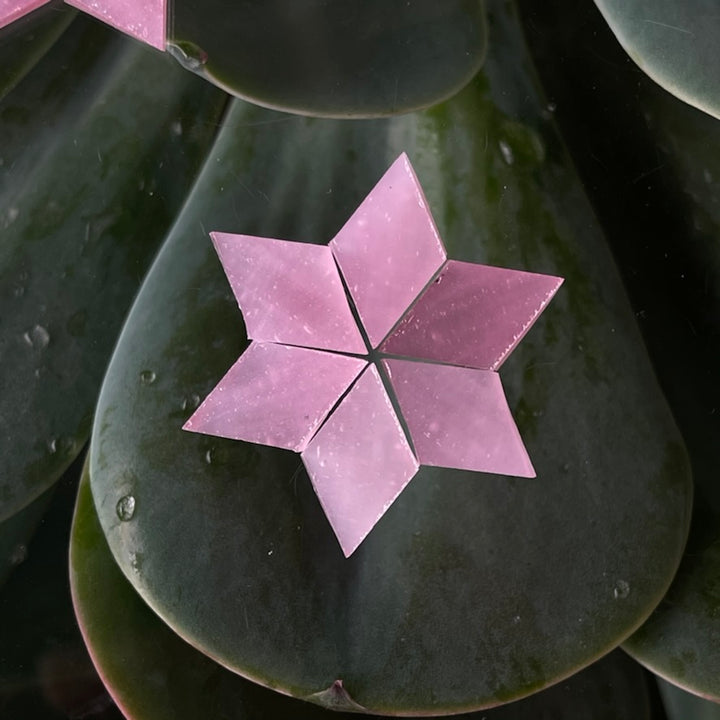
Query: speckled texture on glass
{"x": 472, "y": 315}
{"x": 468, "y": 321}
{"x": 458, "y": 418}
{"x": 260, "y": 399}
{"x": 360, "y": 461}
{"x": 388, "y": 250}
{"x": 12, "y": 10}
{"x": 144, "y": 20}
{"x": 289, "y": 292}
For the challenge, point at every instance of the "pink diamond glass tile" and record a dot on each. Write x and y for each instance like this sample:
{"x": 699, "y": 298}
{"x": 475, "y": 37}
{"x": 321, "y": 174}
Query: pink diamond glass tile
{"x": 359, "y": 461}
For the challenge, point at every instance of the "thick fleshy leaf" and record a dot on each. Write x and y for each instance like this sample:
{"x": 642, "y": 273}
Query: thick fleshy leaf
{"x": 356, "y": 58}
{"x": 154, "y": 675}
{"x": 388, "y": 250}
{"x": 458, "y": 418}
{"x": 681, "y": 705}
{"x": 25, "y": 41}
{"x": 360, "y": 461}
{"x": 45, "y": 670}
{"x": 473, "y": 589}
{"x": 88, "y": 187}
{"x": 16, "y": 531}
{"x": 289, "y": 292}
{"x": 473, "y": 315}
{"x": 260, "y": 399}
{"x": 676, "y": 43}
{"x": 655, "y": 184}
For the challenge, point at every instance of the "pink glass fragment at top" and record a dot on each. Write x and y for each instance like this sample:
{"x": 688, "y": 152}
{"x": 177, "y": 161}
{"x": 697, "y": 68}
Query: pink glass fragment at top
{"x": 12, "y": 10}
{"x": 472, "y": 315}
{"x": 275, "y": 395}
{"x": 145, "y": 20}
{"x": 359, "y": 461}
{"x": 458, "y": 418}
{"x": 388, "y": 250}
{"x": 289, "y": 292}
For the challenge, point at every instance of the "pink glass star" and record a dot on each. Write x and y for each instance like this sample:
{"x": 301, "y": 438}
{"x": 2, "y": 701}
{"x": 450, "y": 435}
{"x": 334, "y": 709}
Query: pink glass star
{"x": 432, "y": 334}
{"x": 144, "y": 20}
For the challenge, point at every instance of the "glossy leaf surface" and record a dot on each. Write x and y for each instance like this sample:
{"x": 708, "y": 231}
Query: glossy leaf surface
{"x": 676, "y": 43}
{"x": 45, "y": 670}
{"x": 154, "y": 675}
{"x": 681, "y": 705}
{"x": 655, "y": 179}
{"x": 88, "y": 187}
{"x": 23, "y": 43}
{"x": 357, "y": 58}
{"x": 16, "y": 531}
{"x": 473, "y": 589}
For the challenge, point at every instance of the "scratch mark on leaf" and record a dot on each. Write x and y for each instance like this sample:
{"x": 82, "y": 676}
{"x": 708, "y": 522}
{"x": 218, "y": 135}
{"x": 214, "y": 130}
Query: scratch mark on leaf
{"x": 671, "y": 27}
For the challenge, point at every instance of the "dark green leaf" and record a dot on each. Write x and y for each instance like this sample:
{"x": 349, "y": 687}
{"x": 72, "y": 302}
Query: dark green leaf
{"x": 473, "y": 589}
{"x": 24, "y": 42}
{"x": 45, "y": 671}
{"x": 154, "y": 675}
{"x": 681, "y": 705}
{"x": 356, "y": 58}
{"x": 16, "y": 531}
{"x": 676, "y": 43}
{"x": 654, "y": 178}
{"x": 98, "y": 146}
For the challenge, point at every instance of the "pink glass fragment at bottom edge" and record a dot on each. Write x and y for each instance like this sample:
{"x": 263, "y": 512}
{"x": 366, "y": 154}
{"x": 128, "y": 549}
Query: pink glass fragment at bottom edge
{"x": 275, "y": 395}
{"x": 458, "y": 418}
{"x": 145, "y": 20}
{"x": 12, "y": 10}
{"x": 359, "y": 461}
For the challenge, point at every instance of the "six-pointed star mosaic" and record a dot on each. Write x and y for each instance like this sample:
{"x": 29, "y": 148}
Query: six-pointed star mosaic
{"x": 416, "y": 383}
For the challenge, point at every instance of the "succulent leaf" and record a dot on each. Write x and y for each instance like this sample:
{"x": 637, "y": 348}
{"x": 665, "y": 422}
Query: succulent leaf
{"x": 473, "y": 590}
{"x": 676, "y": 43}
{"x": 88, "y": 187}
{"x": 358, "y": 58}
{"x": 130, "y": 644}
{"x": 655, "y": 186}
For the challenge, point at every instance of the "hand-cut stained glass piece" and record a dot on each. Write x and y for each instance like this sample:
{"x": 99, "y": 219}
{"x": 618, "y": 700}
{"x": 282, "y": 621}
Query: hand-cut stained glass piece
{"x": 289, "y": 292}
{"x": 388, "y": 250}
{"x": 359, "y": 461}
{"x": 458, "y": 418}
{"x": 145, "y": 20}
{"x": 458, "y": 330}
{"x": 276, "y": 395}
{"x": 472, "y": 315}
{"x": 12, "y": 10}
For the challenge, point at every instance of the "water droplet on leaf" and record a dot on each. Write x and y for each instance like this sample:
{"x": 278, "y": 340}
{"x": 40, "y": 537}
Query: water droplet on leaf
{"x": 188, "y": 54}
{"x": 621, "y": 590}
{"x": 147, "y": 377}
{"x": 19, "y": 554}
{"x": 507, "y": 153}
{"x": 125, "y": 508}
{"x": 37, "y": 338}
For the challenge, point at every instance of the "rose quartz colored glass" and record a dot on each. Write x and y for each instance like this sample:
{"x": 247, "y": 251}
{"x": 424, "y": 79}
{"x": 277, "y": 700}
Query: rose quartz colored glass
{"x": 275, "y": 395}
{"x": 354, "y": 447}
{"x": 144, "y": 20}
{"x": 289, "y": 292}
{"x": 388, "y": 250}
{"x": 12, "y": 10}
{"x": 472, "y": 315}
{"x": 458, "y": 418}
{"x": 359, "y": 461}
